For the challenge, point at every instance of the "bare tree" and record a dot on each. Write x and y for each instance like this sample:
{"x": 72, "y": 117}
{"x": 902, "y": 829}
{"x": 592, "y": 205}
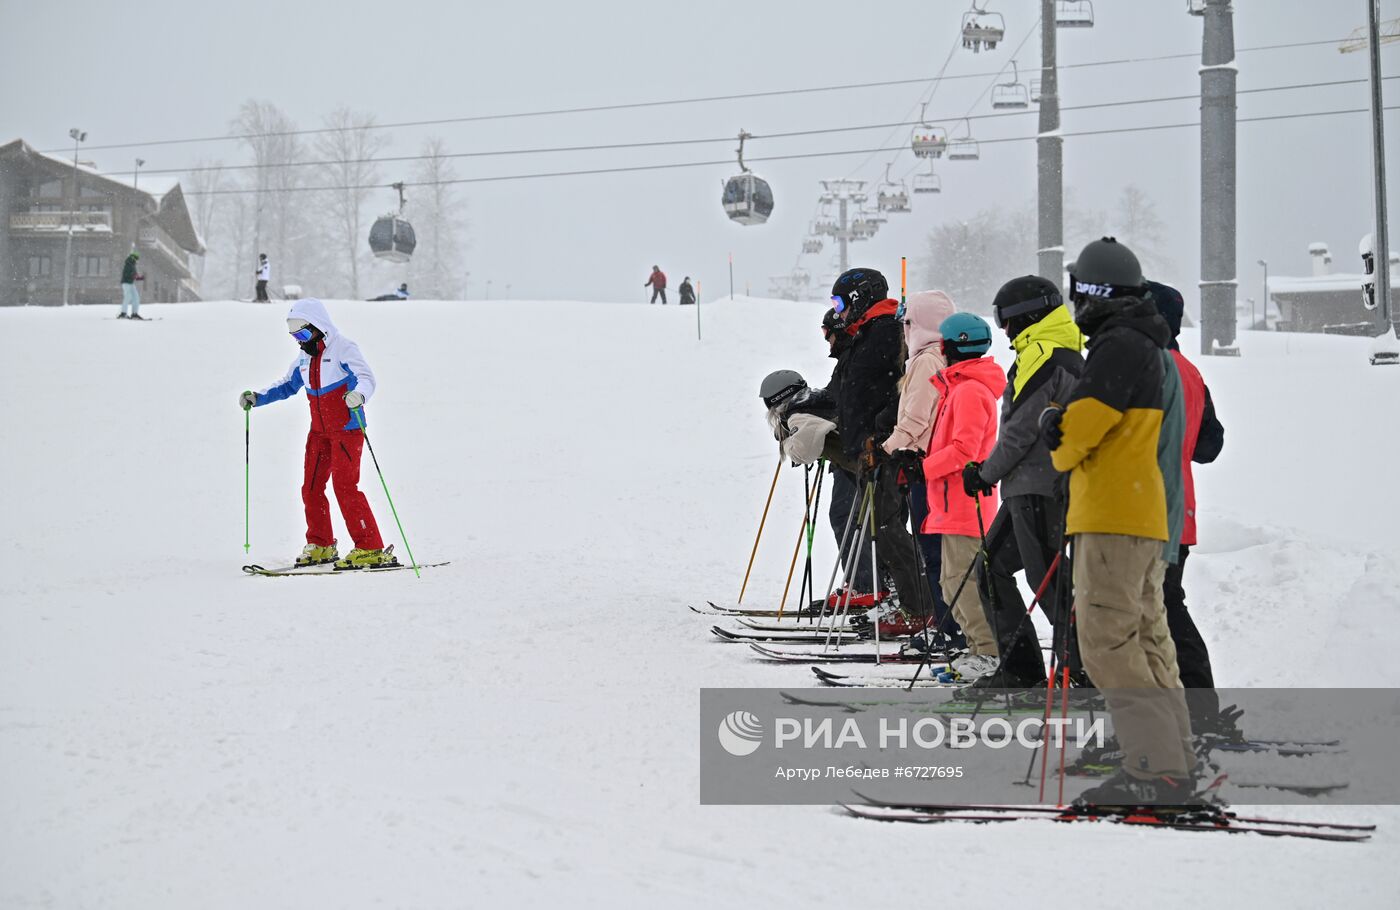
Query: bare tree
{"x": 1139, "y": 226}
{"x": 972, "y": 259}
{"x": 440, "y": 221}
{"x": 267, "y": 133}
{"x": 349, "y": 149}
{"x": 204, "y": 183}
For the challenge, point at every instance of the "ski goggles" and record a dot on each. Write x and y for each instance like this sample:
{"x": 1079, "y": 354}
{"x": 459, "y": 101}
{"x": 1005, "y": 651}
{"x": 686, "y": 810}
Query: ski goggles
{"x": 303, "y": 334}
{"x": 1036, "y": 305}
{"x": 838, "y": 304}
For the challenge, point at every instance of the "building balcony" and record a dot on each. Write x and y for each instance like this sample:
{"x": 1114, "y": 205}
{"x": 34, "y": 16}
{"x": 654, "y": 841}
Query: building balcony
{"x": 57, "y": 222}
{"x": 152, "y": 238}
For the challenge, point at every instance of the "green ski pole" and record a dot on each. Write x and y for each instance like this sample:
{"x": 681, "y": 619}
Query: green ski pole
{"x": 247, "y": 450}
{"x": 360, "y": 419}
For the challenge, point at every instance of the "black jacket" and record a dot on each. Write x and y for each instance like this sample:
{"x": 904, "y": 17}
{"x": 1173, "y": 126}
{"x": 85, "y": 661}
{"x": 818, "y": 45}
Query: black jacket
{"x": 867, "y": 398}
{"x": 687, "y": 292}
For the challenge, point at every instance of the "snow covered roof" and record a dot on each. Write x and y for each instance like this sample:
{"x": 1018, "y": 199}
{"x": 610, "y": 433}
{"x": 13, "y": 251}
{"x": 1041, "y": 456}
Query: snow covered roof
{"x": 154, "y": 186}
{"x": 1316, "y": 284}
{"x": 163, "y": 191}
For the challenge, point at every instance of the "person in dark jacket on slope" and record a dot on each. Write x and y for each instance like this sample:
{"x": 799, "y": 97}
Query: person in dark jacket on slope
{"x": 1203, "y": 441}
{"x": 687, "y": 292}
{"x": 867, "y": 404}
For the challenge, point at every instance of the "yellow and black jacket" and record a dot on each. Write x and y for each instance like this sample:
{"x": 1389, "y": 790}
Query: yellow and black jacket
{"x": 1111, "y": 425}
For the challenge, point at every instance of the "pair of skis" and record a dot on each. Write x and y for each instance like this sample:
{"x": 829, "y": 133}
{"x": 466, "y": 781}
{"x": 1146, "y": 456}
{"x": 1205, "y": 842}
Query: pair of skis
{"x": 1202, "y": 818}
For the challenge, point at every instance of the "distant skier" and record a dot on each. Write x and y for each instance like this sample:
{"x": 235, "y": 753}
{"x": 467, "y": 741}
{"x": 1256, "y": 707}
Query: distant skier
{"x": 657, "y": 283}
{"x": 131, "y": 298}
{"x": 399, "y": 293}
{"x": 338, "y": 382}
{"x": 263, "y": 273}
{"x": 687, "y": 292}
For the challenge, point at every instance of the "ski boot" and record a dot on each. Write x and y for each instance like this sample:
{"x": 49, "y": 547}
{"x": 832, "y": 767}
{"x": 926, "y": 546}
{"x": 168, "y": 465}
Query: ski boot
{"x": 1123, "y": 792}
{"x": 121, "y": 316}
{"x": 367, "y": 559}
{"x": 137, "y": 316}
{"x": 313, "y": 555}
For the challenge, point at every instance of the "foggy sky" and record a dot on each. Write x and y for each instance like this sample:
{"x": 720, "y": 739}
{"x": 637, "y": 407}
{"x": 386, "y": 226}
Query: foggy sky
{"x": 139, "y": 71}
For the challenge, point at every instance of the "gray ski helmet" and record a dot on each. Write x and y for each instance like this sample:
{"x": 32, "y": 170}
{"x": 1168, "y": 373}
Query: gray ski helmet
{"x": 780, "y": 385}
{"x": 1105, "y": 269}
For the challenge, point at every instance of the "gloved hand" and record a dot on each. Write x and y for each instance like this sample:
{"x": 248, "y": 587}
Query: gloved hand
{"x": 909, "y": 461}
{"x": 870, "y": 454}
{"x": 973, "y": 484}
{"x": 353, "y": 399}
{"x": 246, "y": 400}
{"x": 1050, "y": 426}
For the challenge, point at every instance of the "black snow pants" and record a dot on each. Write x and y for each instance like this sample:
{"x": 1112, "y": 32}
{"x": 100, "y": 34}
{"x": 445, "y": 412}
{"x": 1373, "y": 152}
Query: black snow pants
{"x": 1192, "y": 657}
{"x": 1025, "y": 536}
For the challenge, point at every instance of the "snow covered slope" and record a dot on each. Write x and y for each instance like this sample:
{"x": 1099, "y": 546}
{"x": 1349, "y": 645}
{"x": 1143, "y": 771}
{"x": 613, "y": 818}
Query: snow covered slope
{"x": 520, "y": 728}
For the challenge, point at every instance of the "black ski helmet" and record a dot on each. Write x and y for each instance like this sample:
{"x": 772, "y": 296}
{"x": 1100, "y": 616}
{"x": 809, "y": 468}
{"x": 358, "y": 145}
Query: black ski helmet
{"x": 1024, "y": 301}
{"x": 856, "y": 291}
{"x": 780, "y": 385}
{"x": 831, "y": 322}
{"x": 1105, "y": 269}
{"x": 1169, "y": 304}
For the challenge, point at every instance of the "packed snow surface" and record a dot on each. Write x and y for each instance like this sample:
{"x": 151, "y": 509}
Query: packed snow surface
{"x": 520, "y": 728}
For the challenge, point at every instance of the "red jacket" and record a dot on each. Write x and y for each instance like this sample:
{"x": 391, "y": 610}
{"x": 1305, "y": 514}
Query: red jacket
{"x": 1193, "y": 392}
{"x": 657, "y": 279}
{"x": 964, "y": 429}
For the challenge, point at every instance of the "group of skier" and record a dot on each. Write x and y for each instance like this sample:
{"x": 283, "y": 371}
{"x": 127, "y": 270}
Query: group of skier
{"x": 657, "y": 282}
{"x": 1091, "y": 456}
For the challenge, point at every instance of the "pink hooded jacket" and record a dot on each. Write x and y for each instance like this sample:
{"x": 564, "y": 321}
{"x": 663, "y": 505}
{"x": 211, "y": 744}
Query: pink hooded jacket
{"x": 924, "y": 312}
{"x": 965, "y": 429}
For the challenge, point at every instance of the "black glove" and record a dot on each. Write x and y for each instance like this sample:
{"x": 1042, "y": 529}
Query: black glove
{"x": 910, "y": 462}
{"x": 973, "y": 484}
{"x": 1050, "y": 426}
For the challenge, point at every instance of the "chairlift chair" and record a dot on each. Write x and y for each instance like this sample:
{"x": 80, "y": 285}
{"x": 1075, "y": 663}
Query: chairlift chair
{"x": 1011, "y": 95}
{"x": 1196, "y": 7}
{"x": 892, "y": 196}
{"x": 928, "y": 183}
{"x": 928, "y": 141}
{"x": 811, "y": 245}
{"x": 981, "y": 28}
{"x": 391, "y": 236}
{"x": 1074, "y": 14}
{"x": 966, "y": 148}
{"x": 1035, "y": 91}
{"x": 747, "y": 198}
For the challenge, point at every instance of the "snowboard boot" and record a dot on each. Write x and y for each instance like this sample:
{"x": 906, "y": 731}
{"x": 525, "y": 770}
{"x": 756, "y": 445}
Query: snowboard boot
{"x": 313, "y": 555}
{"x": 1123, "y": 792}
{"x": 367, "y": 559}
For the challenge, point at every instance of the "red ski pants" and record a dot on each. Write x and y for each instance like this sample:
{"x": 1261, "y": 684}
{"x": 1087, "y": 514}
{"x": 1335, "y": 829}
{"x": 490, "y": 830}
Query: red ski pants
{"x": 335, "y": 456}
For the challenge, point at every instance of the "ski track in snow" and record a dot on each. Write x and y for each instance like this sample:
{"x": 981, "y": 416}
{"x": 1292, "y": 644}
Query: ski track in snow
{"x": 519, "y": 727}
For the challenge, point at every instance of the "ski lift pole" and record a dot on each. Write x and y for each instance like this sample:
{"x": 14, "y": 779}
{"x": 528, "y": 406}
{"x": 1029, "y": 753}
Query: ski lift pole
{"x": 360, "y": 419}
{"x": 759, "y": 536}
